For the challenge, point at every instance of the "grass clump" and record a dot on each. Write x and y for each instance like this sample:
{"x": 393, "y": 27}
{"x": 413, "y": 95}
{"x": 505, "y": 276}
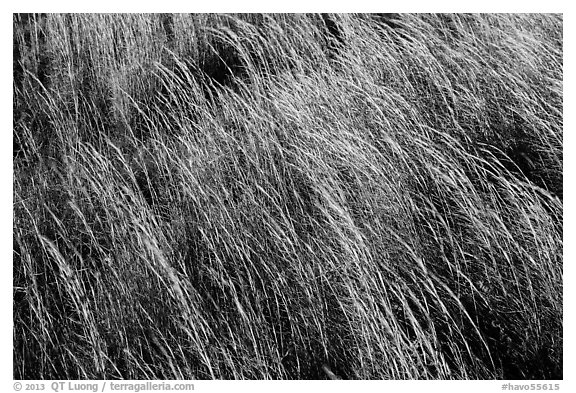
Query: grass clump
{"x": 274, "y": 196}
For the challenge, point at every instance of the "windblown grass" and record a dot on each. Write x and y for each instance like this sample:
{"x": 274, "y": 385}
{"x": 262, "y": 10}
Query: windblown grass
{"x": 215, "y": 196}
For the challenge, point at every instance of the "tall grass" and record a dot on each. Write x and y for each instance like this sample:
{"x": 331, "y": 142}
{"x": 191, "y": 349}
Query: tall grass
{"x": 287, "y": 196}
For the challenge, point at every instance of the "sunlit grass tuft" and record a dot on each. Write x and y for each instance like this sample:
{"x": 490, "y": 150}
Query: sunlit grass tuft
{"x": 265, "y": 197}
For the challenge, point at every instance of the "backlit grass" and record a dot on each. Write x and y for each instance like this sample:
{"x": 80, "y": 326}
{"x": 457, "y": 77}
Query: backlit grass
{"x": 259, "y": 197}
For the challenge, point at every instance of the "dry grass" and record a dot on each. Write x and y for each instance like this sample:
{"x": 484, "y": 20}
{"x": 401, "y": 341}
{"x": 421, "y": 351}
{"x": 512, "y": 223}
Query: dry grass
{"x": 210, "y": 196}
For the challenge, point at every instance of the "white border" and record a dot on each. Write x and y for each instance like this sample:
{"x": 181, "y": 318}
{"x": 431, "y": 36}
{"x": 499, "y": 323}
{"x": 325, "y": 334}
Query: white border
{"x": 556, "y": 6}
{"x": 568, "y": 384}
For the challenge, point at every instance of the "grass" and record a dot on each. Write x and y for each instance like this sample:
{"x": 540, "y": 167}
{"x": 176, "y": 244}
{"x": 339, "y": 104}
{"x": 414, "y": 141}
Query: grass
{"x": 287, "y": 196}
